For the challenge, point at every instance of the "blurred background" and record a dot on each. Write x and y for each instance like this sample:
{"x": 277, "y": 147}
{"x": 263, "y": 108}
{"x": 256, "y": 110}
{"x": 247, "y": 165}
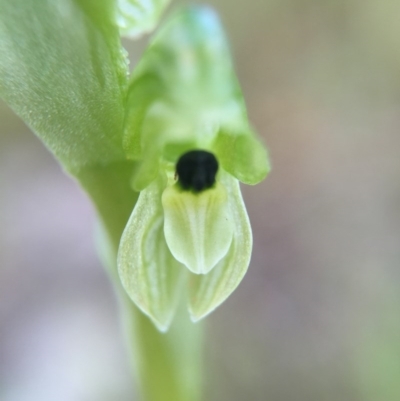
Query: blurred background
{"x": 318, "y": 315}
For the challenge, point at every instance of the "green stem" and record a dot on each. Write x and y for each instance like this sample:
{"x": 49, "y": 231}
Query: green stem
{"x": 168, "y": 365}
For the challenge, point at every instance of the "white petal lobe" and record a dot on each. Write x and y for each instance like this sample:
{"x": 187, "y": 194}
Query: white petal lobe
{"x": 209, "y": 291}
{"x": 149, "y": 273}
{"x": 197, "y": 226}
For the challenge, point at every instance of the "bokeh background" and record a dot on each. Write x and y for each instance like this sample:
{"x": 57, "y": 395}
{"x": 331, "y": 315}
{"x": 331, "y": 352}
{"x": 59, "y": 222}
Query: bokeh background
{"x": 318, "y": 315}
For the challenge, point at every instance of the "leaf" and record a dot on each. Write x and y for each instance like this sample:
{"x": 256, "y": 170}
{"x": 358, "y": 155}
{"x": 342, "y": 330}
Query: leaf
{"x": 209, "y": 291}
{"x": 137, "y": 17}
{"x": 198, "y": 228}
{"x": 63, "y": 71}
{"x": 149, "y": 273}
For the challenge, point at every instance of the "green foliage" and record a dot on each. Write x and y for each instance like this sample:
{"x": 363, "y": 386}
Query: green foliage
{"x": 63, "y": 70}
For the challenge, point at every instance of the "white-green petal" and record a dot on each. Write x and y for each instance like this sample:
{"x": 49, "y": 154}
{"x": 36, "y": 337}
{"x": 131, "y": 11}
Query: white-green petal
{"x": 198, "y": 228}
{"x": 209, "y": 291}
{"x": 242, "y": 155}
{"x": 149, "y": 273}
{"x": 137, "y": 17}
{"x": 146, "y": 172}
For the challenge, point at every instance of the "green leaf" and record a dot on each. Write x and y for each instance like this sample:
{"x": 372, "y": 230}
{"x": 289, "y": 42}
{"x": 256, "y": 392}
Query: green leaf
{"x": 209, "y": 291}
{"x": 63, "y": 71}
{"x": 137, "y": 17}
{"x": 198, "y": 228}
{"x": 149, "y": 273}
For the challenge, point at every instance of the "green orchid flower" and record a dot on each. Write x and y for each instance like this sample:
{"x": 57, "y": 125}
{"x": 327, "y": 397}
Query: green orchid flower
{"x": 187, "y": 131}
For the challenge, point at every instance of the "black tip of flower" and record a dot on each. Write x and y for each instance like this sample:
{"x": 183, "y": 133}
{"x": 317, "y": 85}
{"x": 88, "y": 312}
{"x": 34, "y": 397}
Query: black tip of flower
{"x": 196, "y": 170}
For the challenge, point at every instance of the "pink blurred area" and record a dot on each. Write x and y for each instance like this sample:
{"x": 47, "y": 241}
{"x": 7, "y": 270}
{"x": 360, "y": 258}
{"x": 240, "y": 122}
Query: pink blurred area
{"x": 318, "y": 315}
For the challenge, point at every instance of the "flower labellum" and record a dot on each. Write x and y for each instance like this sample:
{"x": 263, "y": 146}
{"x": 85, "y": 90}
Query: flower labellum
{"x": 188, "y": 131}
{"x": 197, "y": 228}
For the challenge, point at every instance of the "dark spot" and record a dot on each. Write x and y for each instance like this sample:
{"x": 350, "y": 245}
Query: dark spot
{"x": 196, "y": 170}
